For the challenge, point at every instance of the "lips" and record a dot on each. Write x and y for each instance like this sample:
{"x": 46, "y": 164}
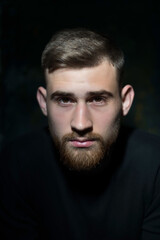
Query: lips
{"x": 82, "y": 143}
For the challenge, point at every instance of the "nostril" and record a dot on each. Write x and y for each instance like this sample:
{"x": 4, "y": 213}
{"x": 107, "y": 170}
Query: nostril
{"x": 82, "y": 132}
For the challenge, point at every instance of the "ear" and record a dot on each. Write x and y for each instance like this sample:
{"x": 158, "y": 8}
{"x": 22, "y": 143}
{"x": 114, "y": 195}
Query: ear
{"x": 41, "y": 98}
{"x": 127, "y": 95}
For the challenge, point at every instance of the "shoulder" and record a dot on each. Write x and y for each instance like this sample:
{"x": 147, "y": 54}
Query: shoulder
{"x": 27, "y": 149}
{"x": 139, "y": 142}
{"x": 143, "y": 144}
{"x": 144, "y": 138}
{"x": 31, "y": 140}
{"x": 139, "y": 152}
{"x": 25, "y": 161}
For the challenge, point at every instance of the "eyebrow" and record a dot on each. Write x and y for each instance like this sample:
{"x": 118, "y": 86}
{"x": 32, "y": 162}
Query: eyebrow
{"x": 60, "y": 94}
{"x": 99, "y": 93}
{"x": 88, "y": 94}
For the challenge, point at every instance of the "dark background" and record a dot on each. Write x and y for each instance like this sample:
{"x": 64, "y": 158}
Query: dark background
{"x": 25, "y": 28}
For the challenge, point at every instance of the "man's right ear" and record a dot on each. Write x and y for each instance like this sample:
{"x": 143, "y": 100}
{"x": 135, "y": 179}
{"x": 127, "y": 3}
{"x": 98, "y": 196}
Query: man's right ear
{"x": 41, "y": 98}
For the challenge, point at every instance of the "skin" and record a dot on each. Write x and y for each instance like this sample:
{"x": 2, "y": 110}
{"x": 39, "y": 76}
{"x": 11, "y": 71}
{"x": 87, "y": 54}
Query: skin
{"x": 84, "y": 100}
{"x": 84, "y": 108}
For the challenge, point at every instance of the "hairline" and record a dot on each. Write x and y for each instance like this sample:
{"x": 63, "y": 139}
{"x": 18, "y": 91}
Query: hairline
{"x": 104, "y": 59}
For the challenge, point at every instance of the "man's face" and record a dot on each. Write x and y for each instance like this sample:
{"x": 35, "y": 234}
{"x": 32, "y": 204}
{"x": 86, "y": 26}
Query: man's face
{"x": 84, "y": 108}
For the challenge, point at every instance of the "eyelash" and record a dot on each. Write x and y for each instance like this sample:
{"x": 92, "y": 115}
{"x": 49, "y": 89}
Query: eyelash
{"x": 101, "y": 100}
{"x": 66, "y": 101}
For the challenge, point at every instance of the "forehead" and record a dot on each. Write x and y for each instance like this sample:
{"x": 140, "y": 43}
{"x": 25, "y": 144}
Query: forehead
{"x": 101, "y": 77}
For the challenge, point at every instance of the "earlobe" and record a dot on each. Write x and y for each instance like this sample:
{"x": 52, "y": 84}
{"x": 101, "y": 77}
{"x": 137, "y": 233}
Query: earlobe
{"x": 127, "y": 95}
{"x": 41, "y": 98}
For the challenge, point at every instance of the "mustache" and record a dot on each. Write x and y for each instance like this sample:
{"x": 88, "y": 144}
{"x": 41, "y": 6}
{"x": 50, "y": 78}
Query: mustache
{"x": 89, "y": 136}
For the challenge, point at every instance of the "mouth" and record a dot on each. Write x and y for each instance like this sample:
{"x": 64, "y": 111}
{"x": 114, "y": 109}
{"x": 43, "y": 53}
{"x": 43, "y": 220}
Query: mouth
{"x": 82, "y": 143}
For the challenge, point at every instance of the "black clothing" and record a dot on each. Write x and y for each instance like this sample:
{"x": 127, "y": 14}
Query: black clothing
{"x": 41, "y": 199}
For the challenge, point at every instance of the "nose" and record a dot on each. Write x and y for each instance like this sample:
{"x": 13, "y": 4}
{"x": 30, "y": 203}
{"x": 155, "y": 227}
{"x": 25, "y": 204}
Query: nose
{"x": 81, "y": 118}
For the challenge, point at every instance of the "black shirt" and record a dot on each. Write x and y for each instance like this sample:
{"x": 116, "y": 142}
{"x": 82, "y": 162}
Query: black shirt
{"x": 41, "y": 199}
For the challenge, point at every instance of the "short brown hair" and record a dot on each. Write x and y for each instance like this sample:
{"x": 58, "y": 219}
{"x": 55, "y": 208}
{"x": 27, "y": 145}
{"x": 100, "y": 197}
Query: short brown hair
{"x": 79, "y": 48}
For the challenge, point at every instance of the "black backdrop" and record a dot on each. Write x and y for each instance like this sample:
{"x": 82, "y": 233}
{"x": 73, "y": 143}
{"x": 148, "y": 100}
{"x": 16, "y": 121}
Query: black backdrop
{"x": 25, "y": 28}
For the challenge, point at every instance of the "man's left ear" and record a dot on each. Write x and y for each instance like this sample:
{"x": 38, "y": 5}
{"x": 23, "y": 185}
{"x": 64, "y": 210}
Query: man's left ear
{"x": 127, "y": 95}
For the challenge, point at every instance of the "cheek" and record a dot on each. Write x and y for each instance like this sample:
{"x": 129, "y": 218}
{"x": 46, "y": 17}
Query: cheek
{"x": 102, "y": 123}
{"x": 106, "y": 121}
{"x": 58, "y": 121}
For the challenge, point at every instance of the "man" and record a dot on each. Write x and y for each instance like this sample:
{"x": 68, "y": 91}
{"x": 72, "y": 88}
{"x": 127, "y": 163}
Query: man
{"x": 86, "y": 177}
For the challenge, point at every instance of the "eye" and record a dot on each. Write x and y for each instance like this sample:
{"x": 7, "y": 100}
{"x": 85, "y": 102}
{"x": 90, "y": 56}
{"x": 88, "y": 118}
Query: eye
{"x": 97, "y": 100}
{"x": 64, "y": 101}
